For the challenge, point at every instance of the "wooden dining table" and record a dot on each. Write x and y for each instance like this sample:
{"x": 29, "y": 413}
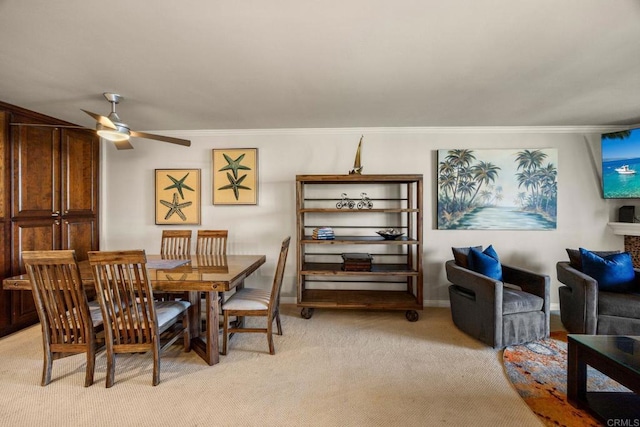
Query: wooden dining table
{"x": 193, "y": 275}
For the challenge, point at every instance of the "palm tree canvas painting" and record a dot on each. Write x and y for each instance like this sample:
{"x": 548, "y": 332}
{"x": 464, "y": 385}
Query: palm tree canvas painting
{"x": 502, "y": 189}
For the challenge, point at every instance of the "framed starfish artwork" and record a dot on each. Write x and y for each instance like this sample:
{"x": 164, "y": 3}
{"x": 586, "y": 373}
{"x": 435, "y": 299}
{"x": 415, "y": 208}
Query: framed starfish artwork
{"x": 177, "y": 196}
{"x": 235, "y": 176}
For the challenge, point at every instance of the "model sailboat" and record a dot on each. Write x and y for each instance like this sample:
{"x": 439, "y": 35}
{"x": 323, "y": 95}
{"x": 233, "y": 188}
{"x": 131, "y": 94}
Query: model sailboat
{"x": 357, "y": 167}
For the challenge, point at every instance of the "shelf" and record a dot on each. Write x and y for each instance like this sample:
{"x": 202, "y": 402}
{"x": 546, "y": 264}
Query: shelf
{"x": 358, "y": 240}
{"x": 359, "y": 179}
{"x": 625, "y": 228}
{"x": 320, "y": 268}
{"x": 359, "y": 299}
{"x": 342, "y": 211}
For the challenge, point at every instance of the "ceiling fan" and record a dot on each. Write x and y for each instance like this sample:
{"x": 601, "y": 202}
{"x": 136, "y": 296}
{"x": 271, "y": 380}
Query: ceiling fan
{"x": 112, "y": 128}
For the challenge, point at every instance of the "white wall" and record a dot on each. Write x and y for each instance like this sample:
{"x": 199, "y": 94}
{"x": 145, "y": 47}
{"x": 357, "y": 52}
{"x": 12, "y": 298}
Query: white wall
{"x": 128, "y": 193}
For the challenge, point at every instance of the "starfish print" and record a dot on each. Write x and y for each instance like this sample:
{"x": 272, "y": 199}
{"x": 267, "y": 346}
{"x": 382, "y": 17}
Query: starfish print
{"x": 234, "y": 165}
{"x": 235, "y": 185}
{"x": 179, "y": 184}
{"x": 175, "y": 207}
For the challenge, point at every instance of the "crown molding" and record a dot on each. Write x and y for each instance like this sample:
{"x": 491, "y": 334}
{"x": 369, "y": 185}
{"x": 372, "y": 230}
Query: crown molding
{"x": 400, "y": 130}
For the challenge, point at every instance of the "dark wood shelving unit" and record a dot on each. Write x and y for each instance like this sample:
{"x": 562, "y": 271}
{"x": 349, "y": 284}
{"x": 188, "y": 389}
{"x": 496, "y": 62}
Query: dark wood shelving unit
{"x": 397, "y": 264}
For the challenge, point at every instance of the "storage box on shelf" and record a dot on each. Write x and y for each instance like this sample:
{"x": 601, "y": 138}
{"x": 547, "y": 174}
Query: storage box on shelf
{"x": 355, "y": 207}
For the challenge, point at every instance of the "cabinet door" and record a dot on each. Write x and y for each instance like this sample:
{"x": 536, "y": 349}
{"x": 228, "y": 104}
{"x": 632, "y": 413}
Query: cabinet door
{"x": 80, "y": 234}
{"x": 5, "y": 271}
{"x": 36, "y": 172}
{"x": 34, "y": 235}
{"x": 5, "y": 247}
{"x": 80, "y": 159}
{"x": 5, "y": 178}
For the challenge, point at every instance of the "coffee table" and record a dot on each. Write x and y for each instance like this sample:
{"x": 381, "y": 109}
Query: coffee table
{"x": 617, "y": 357}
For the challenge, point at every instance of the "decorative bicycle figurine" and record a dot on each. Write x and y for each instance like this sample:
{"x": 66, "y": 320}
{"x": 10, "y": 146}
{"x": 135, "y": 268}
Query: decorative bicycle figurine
{"x": 365, "y": 203}
{"x": 345, "y": 202}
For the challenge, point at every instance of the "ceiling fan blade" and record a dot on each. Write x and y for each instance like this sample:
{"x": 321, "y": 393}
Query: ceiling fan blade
{"x": 104, "y": 121}
{"x": 123, "y": 145}
{"x": 178, "y": 141}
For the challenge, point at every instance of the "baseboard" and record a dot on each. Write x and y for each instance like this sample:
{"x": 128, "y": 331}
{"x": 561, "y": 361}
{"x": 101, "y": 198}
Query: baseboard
{"x": 427, "y": 303}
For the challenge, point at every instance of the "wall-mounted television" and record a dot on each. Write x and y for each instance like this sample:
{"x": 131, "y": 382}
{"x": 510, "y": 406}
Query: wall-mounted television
{"x": 621, "y": 164}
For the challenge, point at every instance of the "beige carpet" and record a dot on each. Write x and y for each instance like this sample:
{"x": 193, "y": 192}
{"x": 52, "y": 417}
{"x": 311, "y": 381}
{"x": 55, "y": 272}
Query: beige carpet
{"x": 339, "y": 368}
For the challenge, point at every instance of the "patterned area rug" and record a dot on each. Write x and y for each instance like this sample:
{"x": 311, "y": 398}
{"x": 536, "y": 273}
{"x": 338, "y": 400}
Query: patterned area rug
{"x": 538, "y": 371}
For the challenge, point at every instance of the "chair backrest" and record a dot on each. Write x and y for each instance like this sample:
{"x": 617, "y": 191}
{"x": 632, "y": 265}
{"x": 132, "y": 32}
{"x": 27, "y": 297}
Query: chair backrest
{"x": 125, "y": 296}
{"x": 176, "y": 243}
{"x": 277, "y": 278}
{"x": 60, "y": 298}
{"x": 211, "y": 242}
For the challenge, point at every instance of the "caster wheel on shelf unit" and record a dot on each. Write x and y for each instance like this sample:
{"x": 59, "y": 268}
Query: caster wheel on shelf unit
{"x": 306, "y": 313}
{"x": 411, "y": 315}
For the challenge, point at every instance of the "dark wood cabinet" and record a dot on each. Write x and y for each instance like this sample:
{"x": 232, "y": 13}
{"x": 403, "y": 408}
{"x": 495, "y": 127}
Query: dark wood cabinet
{"x": 50, "y": 196}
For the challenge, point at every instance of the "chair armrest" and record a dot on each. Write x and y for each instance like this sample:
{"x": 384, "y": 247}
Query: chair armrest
{"x": 579, "y": 306}
{"x": 529, "y": 281}
{"x": 488, "y": 291}
{"x": 583, "y": 286}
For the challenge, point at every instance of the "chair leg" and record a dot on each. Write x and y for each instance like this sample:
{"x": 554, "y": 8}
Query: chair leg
{"x": 46, "y": 365}
{"x": 91, "y": 365}
{"x": 156, "y": 360}
{"x": 270, "y": 337}
{"x": 186, "y": 334}
{"x": 278, "y": 324}
{"x": 111, "y": 368}
{"x": 225, "y": 332}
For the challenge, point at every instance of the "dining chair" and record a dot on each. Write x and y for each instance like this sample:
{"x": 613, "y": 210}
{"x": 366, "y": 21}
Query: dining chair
{"x": 211, "y": 242}
{"x": 134, "y": 321}
{"x": 69, "y": 322}
{"x": 211, "y": 248}
{"x": 175, "y": 243}
{"x": 257, "y": 302}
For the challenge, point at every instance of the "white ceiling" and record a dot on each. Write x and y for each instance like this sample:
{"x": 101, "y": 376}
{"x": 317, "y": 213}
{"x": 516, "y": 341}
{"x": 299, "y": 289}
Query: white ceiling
{"x": 258, "y": 64}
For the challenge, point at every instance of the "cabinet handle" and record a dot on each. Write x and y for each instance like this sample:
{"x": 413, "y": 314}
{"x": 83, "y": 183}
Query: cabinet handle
{"x": 56, "y": 213}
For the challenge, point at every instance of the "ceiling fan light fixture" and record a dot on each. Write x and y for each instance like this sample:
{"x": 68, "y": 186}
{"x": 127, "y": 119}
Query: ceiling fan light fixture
{"x": 121, "y": 133}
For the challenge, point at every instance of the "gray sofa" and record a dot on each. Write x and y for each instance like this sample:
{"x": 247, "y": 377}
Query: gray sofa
{"x": 586, "y": 310}
{"x": 499, "y": 313}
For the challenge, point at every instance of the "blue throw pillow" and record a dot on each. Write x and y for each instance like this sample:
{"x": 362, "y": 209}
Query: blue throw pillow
{"x": 485, "y": 262}
{"x": 614, "y": 273}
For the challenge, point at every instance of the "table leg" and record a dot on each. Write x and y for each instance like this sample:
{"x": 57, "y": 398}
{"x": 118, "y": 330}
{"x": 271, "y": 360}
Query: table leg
{"x": 207, "y": 348}
{"x": 213, "y": 322}
{"x": 194, "y": 314}
{"x": 576, "y": 376}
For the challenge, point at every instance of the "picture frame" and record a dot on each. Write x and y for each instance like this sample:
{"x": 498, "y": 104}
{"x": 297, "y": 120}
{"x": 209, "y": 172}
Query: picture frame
{"x": 235, "y": 176}
{"x": 497, "y": 189}
{"x": 178, "y": 197}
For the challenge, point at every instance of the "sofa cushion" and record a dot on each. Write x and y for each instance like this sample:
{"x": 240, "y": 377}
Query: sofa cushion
{"x": 514, "y": 301}
{"x": 575, "y": 260}
{"x": 619, "y": 304}
{"x": 460, "y": 255}
{"x": 614, "y": 273}
{"x": 485, "y": 262}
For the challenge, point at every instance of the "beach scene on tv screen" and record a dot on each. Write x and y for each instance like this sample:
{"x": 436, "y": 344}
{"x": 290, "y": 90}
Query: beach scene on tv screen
{"x": 621, "y": 165}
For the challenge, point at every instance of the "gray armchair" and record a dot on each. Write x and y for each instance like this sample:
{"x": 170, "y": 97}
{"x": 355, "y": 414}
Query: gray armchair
{"x": 586, "y": 310}
{"x": 499, "y": 313}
